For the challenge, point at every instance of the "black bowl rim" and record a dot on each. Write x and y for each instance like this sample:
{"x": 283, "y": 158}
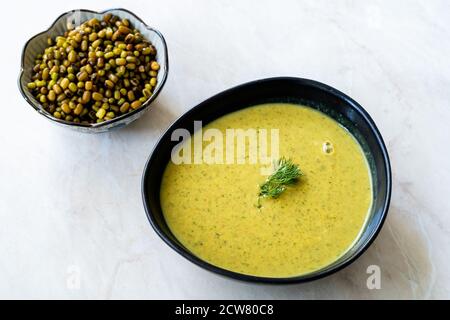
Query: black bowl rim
{"x": 271, "y": 280}
{"x": 94, "y": 126}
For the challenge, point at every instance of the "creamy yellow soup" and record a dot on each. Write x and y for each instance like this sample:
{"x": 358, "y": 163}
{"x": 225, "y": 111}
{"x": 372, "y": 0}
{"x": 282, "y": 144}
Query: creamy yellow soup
{"x": 211, "y": 208}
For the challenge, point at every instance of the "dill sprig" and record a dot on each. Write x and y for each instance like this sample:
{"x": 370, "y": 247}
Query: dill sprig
{"x": 286, "y": 173}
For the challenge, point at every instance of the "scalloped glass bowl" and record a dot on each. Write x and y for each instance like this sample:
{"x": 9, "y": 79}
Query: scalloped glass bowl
{"x": 37, "y": 44}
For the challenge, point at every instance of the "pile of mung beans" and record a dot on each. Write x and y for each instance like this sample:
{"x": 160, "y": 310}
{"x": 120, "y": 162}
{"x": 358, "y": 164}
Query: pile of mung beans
{"x": 95, "y": 72}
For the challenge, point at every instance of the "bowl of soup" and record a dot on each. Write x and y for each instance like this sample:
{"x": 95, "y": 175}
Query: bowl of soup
{"x": 279, "y": 180}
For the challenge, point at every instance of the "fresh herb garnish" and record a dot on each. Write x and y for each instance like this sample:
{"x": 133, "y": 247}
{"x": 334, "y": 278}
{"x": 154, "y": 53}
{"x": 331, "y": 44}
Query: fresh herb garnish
{"x": 286, "y": 173}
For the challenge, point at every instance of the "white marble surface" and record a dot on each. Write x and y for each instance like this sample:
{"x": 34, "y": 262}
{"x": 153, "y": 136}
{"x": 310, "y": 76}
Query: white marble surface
{"x": 70, "y": 203}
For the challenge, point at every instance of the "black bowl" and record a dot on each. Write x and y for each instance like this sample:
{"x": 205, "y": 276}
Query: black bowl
{"x": 292, "y": 90}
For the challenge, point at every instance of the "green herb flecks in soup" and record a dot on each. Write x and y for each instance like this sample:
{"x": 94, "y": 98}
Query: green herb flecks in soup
{"x": 211, "y": 208}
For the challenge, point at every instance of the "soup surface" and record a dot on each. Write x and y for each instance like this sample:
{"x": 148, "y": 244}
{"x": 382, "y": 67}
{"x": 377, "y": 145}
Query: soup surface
{"x": 211, "y": 208}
